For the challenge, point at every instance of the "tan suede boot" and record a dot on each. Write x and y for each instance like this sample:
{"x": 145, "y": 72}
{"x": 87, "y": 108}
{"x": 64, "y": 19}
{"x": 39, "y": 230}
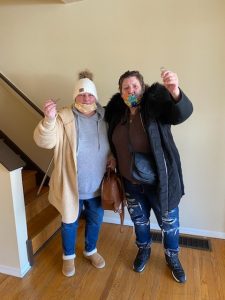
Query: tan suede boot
{"x": 96, "y": 259}
{"x": 68, "y": 268}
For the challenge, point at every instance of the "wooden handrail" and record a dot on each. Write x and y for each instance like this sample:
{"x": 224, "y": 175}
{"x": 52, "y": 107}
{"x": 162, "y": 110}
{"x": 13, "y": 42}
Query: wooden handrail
{"x": 21, "y": 94}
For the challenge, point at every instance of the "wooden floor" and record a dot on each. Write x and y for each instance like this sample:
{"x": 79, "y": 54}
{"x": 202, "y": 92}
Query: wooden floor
{"x": 205, "y": 273}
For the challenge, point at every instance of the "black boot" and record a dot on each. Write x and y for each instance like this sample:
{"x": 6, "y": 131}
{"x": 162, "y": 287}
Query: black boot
{"x": 176, "y": 268}
{"x": 141, "y": 259}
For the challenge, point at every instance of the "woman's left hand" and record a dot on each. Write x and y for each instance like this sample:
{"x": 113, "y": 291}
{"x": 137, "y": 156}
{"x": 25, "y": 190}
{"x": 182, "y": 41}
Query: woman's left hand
{"x": 171, "y": 83}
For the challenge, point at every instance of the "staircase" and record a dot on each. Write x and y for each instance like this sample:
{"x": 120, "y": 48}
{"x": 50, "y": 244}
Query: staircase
{"x": 43, "y": 220}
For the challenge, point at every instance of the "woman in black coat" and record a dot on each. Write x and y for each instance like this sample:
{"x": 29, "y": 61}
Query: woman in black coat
{"x": 140, "y": 119}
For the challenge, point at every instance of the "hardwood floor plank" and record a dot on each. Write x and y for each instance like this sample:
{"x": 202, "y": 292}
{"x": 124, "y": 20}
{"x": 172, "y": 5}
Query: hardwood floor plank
{"x": 117, "y": 281}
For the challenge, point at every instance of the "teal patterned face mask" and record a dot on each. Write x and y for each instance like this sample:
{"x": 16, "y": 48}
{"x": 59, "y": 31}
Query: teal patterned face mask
{"x": 132, "y": 100}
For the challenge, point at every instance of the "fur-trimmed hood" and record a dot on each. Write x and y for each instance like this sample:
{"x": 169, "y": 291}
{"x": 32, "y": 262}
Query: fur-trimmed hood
{"x": 150, "y": 103}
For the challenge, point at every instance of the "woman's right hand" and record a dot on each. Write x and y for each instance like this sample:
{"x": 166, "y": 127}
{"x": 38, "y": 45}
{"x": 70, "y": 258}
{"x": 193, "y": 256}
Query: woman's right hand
{"x": 111, "y": 162}
{"x": 49, "y": 109}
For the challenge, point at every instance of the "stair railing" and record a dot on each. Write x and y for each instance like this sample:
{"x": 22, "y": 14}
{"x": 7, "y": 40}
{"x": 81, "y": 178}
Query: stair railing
{"x": 21, "y": 94}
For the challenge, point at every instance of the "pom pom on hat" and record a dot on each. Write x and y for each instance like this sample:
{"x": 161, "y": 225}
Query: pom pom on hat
{"x": 85, "y": 85}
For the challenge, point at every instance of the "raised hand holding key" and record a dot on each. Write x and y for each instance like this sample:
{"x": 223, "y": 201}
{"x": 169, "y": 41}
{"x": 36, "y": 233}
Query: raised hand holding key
{"x": 171, "y": 83}
{"x": 50, "y": 109}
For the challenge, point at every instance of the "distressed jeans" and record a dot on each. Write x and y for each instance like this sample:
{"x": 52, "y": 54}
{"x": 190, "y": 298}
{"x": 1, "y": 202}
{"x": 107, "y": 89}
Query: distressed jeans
{"x": 93, "y": 213}
{"x": 141, "y": 199}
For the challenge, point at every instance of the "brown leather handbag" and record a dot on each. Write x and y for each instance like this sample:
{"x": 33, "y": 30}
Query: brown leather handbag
{"x": 112, "y": 193}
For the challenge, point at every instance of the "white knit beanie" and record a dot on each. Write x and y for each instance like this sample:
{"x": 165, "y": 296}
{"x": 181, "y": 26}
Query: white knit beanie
{"x": 85, "y": 85}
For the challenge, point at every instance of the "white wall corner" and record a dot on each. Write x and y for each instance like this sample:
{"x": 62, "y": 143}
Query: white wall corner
{"x": 13, "y": 235}
{"x": 17, "y": 272}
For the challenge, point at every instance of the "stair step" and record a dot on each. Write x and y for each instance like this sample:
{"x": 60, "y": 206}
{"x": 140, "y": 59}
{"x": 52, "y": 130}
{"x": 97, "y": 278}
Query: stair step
{"x": 29, "y": 180}
{"x": 43, "y": 226}
{"x": 30, "y": 196}
{"x": 35, "y": 204}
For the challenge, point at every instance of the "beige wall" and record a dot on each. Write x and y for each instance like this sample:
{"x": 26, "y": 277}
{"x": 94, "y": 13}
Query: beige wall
{"x": 17, "y": 121}
{"x": 43, "y": 46}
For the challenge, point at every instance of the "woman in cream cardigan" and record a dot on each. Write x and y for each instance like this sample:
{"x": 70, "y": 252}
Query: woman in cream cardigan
{"x": 78, "y": 135}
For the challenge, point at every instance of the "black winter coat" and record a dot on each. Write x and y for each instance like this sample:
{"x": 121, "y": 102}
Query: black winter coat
{"x": 159, "y": 111}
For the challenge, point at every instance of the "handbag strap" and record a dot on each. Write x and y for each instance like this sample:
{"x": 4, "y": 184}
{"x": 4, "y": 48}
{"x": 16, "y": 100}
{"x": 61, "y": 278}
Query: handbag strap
{"x": 123, "y": 203}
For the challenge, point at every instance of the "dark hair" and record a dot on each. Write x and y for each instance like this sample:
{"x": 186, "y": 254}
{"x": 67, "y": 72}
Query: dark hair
{"x": 127, "y": 74}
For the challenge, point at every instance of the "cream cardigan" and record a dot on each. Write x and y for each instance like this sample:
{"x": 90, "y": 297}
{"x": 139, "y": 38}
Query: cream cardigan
{"x": 60, "y": 134}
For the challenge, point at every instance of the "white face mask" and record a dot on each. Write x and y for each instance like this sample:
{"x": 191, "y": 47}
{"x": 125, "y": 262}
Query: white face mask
{"x": 85, "y": 108}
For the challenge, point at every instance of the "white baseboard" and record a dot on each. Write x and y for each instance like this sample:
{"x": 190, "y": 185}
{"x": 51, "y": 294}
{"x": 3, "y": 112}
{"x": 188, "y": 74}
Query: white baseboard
{"x": 184, "y": 230}
{"x": 15, "y": 271}
{"x": 200, "y": 232}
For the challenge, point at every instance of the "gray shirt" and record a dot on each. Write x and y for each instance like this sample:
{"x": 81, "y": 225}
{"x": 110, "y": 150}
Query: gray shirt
{"x": 92, "y": 152}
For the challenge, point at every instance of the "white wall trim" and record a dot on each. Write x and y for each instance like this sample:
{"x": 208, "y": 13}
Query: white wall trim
{"x": 200, "y": 232}
{"x": 184, "y": 230}
{"x": 18, "y": 272}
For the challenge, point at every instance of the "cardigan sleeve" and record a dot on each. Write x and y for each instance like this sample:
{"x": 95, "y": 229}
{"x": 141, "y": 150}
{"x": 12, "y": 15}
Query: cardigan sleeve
{"x": 45, "y": 134}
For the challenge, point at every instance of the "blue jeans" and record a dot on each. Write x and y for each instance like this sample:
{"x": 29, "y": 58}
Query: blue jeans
{"x": 93, "y": 213}
{"x": 141, "y": 198}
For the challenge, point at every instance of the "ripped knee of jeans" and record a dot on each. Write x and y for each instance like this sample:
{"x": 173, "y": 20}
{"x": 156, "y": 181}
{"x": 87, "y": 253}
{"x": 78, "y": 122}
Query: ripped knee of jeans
{"x": 170, "y": 224}
{"x": 139, "y": 220}
{"x": 169, "y": 220}
{"x": 136, "y": 213}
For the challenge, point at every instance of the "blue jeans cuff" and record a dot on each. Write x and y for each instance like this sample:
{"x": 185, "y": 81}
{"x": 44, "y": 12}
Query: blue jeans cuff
{"x": 67, "y": 257}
